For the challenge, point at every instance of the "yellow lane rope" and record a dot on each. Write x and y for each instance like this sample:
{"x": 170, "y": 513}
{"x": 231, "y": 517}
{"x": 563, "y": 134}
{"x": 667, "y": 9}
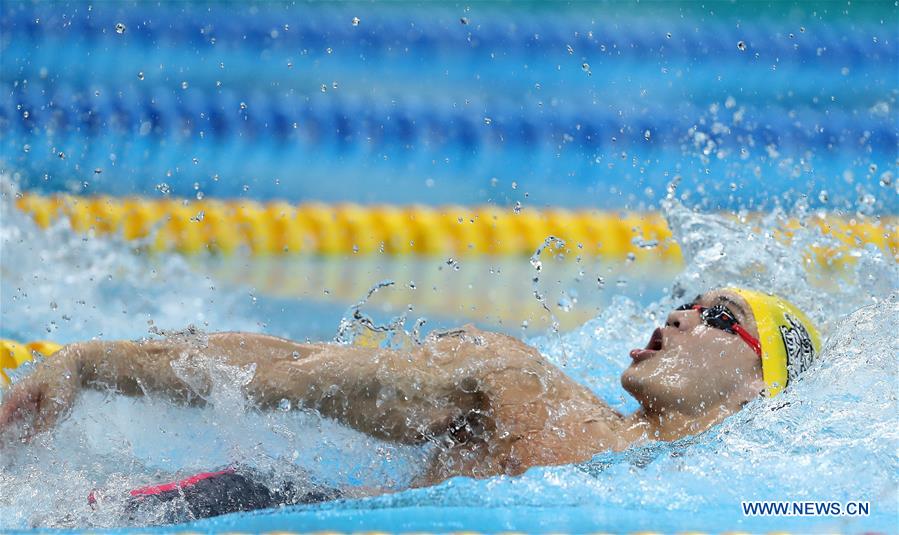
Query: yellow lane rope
{"x": 316, "y": 228}
{"x": 13, "y": 354}
{"x": 275, "y": 228}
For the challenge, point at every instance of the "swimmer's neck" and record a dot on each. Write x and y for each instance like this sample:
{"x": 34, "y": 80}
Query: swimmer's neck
{"x": 646, "y": 425}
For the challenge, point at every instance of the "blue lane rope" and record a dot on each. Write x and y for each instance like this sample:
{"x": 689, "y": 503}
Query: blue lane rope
{"x": 519, "y": 31}
{"x": 342, "y": 122}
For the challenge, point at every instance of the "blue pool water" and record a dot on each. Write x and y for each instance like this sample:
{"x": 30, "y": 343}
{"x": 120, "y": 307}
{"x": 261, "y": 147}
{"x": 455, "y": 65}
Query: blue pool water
{"x": 227, "y": 100}
{"x": 788, "y": 109}
{"x": 832, "y": 436}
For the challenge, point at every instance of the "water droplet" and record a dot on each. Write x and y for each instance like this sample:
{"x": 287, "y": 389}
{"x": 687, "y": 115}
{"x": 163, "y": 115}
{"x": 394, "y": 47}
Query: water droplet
{"x": 163, "y": 188}
{"x": 284, "y": 405}
{"x": 243, "y": 105}
{"x": 25, "y": 114}
{"x": 668, "y": 35}
{"x": 97, "y": 171}
{"x": 333, "y": 85}
{"x": 183, "y": 85}
{"x": 26, "y": 147}
{"x": 570, "y": 50}
{"x": 329, "y": 50}
{"x": 586, "y": 68}
{"x": 741, "y": 45}
{"x": 324, "y": 88}
{"x": 646, "y": 135}
{"x": 119, "y": 28}
{"x": 488, "y": 121}
{"x": 514, "y": 185}
{"x": 140, "y": 75}
{"x": 823, "y": 196}
{"x": 517, "y": 207}
{"x": 62, "y": 155}
{"x": 356, "y": 21}
{"x": 199, "y": 217}
{"x": 867, "y": 202}
{"x": 464, "y": 20}
{"x": 886, "y": 179}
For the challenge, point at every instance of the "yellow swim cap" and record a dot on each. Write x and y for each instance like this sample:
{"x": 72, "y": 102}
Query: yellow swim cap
{"x": 790, "y": 341}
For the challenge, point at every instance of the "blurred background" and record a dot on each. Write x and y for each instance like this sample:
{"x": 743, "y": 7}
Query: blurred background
{"x": 543, "y": 105}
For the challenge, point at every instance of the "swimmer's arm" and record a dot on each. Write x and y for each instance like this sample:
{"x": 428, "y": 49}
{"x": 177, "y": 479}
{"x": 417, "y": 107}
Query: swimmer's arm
{"x": 381, "y": 393}
{"x": 135, "y": 369}
{"x": 40, "y": 399}
{"x": 387, "y": 394}
{"x": 152, "y": 366}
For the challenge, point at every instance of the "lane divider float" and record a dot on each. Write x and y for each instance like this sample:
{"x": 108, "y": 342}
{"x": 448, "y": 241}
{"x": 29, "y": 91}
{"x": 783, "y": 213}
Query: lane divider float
{"x": 313, "y": 228}
{"x": 13, "y": 354}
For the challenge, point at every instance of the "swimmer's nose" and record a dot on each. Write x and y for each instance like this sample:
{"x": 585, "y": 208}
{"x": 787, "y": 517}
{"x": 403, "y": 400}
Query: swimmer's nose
{"x": 683, "y": 320}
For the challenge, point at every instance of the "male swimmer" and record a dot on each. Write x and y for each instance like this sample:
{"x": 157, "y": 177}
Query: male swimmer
{"x": 491, "y": 404}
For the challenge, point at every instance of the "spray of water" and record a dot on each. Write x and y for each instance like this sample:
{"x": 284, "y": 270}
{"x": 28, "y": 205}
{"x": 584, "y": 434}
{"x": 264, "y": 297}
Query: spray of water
{"x": 833, "y": 428}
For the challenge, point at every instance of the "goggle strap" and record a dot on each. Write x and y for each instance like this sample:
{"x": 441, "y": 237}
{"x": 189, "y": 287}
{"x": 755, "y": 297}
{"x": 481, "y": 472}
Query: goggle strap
{"x": 748, "y": 338}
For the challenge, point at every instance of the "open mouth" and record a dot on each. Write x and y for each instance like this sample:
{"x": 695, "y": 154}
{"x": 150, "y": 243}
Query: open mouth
{"x": 655, "y": 342}
{"x": 654, "y": 345}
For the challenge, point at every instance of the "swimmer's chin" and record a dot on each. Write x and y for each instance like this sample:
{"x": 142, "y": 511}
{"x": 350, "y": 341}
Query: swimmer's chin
{"x": 633, "y": 383}
{"x": 646, "y": 391}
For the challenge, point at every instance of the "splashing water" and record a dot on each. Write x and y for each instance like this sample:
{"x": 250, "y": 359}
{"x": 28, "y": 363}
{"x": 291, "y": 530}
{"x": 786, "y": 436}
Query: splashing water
{"x": 832, "y": 435}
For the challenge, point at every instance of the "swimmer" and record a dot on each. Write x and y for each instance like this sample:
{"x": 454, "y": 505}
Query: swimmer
{"x": 490, "y": 403}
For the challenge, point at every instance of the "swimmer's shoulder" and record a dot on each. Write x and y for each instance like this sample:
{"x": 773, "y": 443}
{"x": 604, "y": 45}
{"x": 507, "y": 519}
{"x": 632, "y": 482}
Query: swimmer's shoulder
{"x": 491, "y": 349}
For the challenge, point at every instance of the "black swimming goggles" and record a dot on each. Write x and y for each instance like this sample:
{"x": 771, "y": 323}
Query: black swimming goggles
{"x": 720, "y": 317}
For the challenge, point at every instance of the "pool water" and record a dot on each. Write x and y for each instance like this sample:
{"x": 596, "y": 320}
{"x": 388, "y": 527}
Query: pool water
{"x": 832, "y": 436}
{"x": 786, "y": 109}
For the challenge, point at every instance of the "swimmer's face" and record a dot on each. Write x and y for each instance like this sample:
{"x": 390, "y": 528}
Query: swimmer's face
{"x": 693, "y": 368}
